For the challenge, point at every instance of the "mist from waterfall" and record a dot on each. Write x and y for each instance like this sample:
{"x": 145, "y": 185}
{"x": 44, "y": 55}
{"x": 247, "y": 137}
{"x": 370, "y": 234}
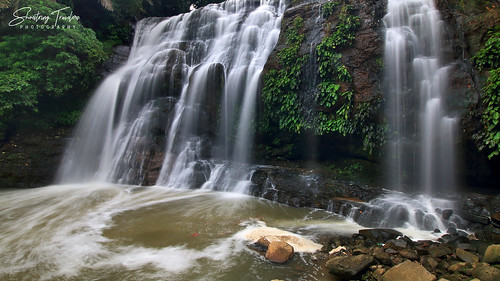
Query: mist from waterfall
{"x": 190, "y": 85}
{"x": 423, "y": 134}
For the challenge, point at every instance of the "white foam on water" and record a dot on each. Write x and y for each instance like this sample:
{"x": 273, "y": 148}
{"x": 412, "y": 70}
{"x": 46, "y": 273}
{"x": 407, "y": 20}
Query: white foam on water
{"x": 179, "y": 259}
{"x": 298, "y": 242}
{"x": 57, "y": 230}
{"x": 175, "y": 259}
{"x": 400, "y": 210}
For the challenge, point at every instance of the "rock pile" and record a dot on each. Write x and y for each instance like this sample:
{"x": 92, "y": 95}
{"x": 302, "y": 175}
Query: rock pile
{"x": 387, "y": 255}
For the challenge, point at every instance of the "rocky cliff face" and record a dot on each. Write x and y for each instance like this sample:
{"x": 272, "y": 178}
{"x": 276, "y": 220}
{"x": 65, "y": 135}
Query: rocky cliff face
{"x": 366, "y": 56}
{"x": 363, "y": 59}
{"x": 31, "y": 159}
{"x": 467, "y": 24}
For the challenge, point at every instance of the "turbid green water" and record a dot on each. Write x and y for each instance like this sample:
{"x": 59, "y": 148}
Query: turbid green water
{"x": 111, "y": 232}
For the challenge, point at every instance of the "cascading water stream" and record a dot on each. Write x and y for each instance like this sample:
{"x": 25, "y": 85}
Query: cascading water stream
{"x": 421, "y": 144}
{"x": 423, "y": 135}
{"x": 189, "y": 89}
{"x": 421, "y": 154}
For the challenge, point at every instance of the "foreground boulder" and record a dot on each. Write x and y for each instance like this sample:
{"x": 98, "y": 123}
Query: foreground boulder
{"x": 279, "y": 252}
{"x": 408, "y": 271}
{"x": 486, "y": 272}
{"x": 492, "y": 254}
{"x": 349, "y": 267}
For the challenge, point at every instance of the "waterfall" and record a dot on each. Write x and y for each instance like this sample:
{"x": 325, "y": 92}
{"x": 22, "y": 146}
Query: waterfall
{"x": 422, "y": 138}
{"x": 185, "y": 99}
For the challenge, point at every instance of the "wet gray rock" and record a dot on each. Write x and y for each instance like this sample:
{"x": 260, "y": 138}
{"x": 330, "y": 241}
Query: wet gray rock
{"x": 495, "y": 219}
{"x": 117, "y": 59}
{"x": 466, "y": 256}
{"x": 381, "y": 256}
{"x": 409, "y": 254}
{"x": 451, "y": 230}
{"x": 380, "y": 235}
{"x": 301, "y": 188}
{"x": 446, "y": 214}
{"x": 439, "y": 251}
{"x": 486, "y": 272}
{"x": 454, "y": 277}
{"x": 474, "y": 210}
{"x": 398, "y": 243}
{"x": 465, "y": 246}
{"x": 349, "y": 267}
{"x": 488, "y": 233}
{"x": 361, "y": 251}
{"x": 391, "y": 251}
{"x": 431, "y": 262}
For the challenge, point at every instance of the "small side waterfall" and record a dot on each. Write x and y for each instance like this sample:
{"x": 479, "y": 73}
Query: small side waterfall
{"x": 189, "y": 89}
{"x": 422, "y": 136}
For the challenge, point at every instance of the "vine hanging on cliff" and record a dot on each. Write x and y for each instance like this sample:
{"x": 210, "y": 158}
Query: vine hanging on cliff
{"x": 288, "y": 108}
{"x": 281, "y": 86}
{"x": 335, "y": 105}
{"x": 489, "y": 57}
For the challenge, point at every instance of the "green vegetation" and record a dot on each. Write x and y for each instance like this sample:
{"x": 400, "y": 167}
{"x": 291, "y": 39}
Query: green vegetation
{"x": 365, "y": 124}
{"x": 286, "y": 113}
{"x": 341, "y": 114}
{"x": 112, "y": 20}
{"x": 328, "y": 8}
{"x": 346, "y": 170}
{"x": 336, "y": 104}
{"x": 489, "y": 58}
{"x": 468, "y": 6}
{"x": 44, "y": 73}
{"x": 281, "y": 86}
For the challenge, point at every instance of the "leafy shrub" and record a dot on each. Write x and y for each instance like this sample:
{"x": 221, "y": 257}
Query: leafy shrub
{"x": 281, "y": 86}
{"x": 45, "y": 65}
{"x": 489, "y": 57}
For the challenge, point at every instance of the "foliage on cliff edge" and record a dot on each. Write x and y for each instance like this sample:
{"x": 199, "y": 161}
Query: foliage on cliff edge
{"x": 44, "y": 71}
{"x": 299, "y": 98}
{"x": 489, "y": 58}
